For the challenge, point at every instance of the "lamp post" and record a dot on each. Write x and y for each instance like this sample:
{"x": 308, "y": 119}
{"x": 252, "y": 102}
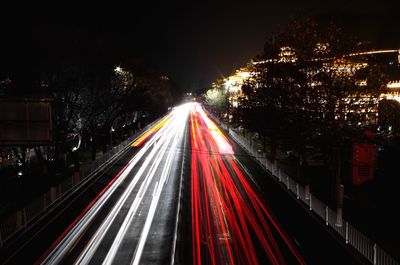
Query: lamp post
{"x": 111, "y": 131}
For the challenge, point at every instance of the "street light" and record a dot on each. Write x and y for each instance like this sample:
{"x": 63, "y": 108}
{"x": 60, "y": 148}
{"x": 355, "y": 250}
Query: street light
{"x": 118, "y": 69}
{"x": 111, "y": 131}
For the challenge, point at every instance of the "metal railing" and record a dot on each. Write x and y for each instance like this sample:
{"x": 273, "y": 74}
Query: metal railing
{"x": 365, "y": 246}
{"x": 23, "y": 218}
{"x": 349, "y": 234}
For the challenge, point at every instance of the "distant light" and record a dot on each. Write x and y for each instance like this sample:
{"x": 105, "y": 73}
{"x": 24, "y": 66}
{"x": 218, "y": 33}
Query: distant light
{"x": 371, "y": 52}
{"x": 394, "y": 84}
{"x": 362, "y": 83}
{"x": 118, "y": 69}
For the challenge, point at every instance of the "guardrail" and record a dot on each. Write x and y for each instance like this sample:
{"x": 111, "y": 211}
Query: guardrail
{"x": 25, "y": 217}
{"x": 348, "y": 233}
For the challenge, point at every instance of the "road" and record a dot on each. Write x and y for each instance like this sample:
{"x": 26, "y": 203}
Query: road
{"x": 148, "y": 205}
{"x": 231, "y": 224}
{"x": 130, "y": 221}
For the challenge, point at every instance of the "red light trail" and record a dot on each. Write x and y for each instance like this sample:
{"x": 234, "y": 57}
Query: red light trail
{"x": 231, "y": 224}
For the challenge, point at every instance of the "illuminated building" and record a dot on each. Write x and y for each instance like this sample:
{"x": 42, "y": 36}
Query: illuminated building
{"x": 393, "y": 92}
{"x": 287, "y": 55}
{"x": 360, "y": 107}
{"x": 233, "y": 85}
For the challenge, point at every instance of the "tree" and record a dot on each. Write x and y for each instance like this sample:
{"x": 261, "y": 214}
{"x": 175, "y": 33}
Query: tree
{"x": 389, "y": 117}
{"x": 217, "y": 99}
{"x": 305, "y": 89}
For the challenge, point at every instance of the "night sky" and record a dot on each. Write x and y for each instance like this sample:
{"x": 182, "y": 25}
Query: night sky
{"x": 194, "y": 42}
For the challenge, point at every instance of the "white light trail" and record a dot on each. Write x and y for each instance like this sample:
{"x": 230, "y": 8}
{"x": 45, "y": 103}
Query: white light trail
{"x": 156, "y": 198}
{"x": 57, "y": 254}
{"x": 159, "y": 142}
{"x": 158, "y": 145}
{"x": 136, "y": 203}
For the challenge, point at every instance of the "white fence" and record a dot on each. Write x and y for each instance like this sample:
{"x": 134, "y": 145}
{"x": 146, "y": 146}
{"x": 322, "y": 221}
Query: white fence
{"x": 365, "y": 246}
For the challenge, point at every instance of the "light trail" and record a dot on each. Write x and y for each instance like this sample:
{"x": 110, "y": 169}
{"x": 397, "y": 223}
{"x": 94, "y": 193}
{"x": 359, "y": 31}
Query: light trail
{"x": 178, "y": 122}
{"x": 154, "y": 203}
{"x": 230, "y": 222}
{"x": 146, "y": 135}
{"x": 161, "y": 146}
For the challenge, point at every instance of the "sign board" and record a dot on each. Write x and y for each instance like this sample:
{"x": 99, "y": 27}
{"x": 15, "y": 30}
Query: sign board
{"x": 364, "y": 162}
{"x": 26, "y": 121}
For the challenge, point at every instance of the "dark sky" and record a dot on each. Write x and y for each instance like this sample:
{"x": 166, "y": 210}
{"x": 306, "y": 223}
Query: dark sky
{"x": 194, "y": 42}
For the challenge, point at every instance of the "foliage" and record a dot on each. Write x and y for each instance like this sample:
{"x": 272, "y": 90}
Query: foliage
{"x": 305, "y": 90}
{"x": 216, "y": 98}
{"x": 91, "y": 100}
{"x": 389, "y": 117}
